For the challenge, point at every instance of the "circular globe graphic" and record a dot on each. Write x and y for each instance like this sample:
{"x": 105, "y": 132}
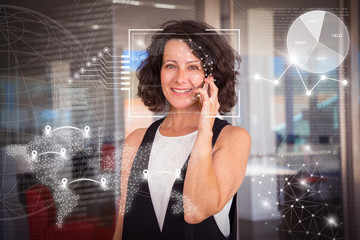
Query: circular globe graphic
{"x": 318, "y": 41}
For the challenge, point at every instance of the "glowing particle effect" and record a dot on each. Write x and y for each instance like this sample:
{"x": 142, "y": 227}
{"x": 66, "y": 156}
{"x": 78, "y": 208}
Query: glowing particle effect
{"x": 95, "y": 26}
{"x": 100, "y": 54}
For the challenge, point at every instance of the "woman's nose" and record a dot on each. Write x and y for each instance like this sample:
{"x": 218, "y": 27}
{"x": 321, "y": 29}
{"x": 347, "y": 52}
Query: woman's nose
{"x": 181, "y": 76}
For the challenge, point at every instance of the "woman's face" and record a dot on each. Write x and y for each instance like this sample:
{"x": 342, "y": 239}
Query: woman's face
{"x": 181, "y": 73}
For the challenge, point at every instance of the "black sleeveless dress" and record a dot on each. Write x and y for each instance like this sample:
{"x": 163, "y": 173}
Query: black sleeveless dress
{"x": 140, "y": 221}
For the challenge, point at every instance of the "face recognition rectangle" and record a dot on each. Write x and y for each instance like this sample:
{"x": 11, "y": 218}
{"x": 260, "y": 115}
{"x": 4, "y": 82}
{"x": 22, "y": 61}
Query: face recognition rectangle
{"x": 133, "y": 36}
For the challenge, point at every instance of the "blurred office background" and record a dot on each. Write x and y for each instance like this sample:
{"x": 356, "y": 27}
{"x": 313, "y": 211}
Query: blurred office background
{"x": 67, "y": 80}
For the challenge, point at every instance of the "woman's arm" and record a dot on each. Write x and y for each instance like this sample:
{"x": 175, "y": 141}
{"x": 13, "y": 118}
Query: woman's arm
{"x": 131, "y": 146}
{"x": 214, "y": 175}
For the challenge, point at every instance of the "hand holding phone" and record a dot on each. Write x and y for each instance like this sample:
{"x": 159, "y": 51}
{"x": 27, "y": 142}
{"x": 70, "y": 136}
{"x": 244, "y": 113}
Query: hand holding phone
{"x": 205, "y": 87}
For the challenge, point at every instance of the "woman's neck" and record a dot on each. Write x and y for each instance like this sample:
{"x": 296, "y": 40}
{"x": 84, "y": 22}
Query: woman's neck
{"x": 181, "y": 120}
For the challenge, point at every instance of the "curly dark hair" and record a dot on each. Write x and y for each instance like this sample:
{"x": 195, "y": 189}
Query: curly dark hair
{"x": 208, "y": 46}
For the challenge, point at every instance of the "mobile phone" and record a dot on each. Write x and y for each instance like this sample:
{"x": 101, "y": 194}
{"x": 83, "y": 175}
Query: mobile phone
{"x": 204, "y": 87}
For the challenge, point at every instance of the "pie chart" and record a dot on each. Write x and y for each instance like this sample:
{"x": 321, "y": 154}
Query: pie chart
{"x": 318, "y": 41}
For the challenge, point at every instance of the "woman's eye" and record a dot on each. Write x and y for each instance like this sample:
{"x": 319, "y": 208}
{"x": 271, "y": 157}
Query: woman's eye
{"x": 170, "y": 66}
{"x": 194, "y": 67}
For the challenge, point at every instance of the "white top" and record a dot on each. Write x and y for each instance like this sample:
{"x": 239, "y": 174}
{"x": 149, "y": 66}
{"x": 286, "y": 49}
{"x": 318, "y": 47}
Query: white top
{"x": 167, "y": 157}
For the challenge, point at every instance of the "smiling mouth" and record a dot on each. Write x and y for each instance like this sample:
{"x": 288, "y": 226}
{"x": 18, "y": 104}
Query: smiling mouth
{"x": 181, "y": 90}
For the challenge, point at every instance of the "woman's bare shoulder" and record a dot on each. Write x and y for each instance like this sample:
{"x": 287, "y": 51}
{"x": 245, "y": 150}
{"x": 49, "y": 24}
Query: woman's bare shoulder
{"x": 236, "y": 133}
{"x": 231, "y": 135}
{"x": 134, "y": 138}
{"x": 131, "y": 146}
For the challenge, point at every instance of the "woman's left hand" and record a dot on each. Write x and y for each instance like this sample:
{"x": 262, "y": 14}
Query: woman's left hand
{"x": 210, "y": 105}
{"x": 215, "y": 172}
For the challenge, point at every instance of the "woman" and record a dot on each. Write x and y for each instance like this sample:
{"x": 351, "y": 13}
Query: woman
{"x": 166, "y": 192}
